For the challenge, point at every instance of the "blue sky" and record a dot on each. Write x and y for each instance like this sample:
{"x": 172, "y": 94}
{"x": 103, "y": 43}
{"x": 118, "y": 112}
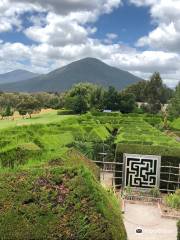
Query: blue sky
{"x": 140, "y": 36}
{"x": 128, "y": 22}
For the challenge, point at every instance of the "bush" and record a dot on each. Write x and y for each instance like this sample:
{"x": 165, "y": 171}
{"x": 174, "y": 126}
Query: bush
{"x": 65, "y": 112}
{"x": 154, "y": 192}
{"x": 173, "y": 200}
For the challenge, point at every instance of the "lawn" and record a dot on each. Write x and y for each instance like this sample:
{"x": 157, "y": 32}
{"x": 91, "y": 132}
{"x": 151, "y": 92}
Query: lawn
{"x": 42, "y": 118}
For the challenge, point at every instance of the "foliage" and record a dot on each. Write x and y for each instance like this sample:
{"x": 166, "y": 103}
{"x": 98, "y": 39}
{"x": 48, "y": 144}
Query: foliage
{"x": 7, "y": 112}
{"x": 173, "y": 200}
{"x": 174, "y": 107}
{"x": 152, "y": 92}
{"x": 154, "y": 192}
{"x": 28, "y": 106}
{"x": 56, "y": 195}
{"x": 138, "y": 90}
{"x": 78, "y": 98}
{"x": 127, "y": 103}
{"x": 134, "y": 130}
{"x": 178, "y": 230}
{"x": 128, "y": 190}
{"x": 57, "y": 203}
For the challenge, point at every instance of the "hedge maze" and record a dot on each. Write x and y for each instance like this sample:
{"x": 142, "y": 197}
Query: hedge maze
{"x": 93, "y": 134}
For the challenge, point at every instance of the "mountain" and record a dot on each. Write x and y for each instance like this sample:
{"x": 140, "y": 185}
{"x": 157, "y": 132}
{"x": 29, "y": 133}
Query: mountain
{"x": 16, "y": 76}
{"x": 86, "y": 70}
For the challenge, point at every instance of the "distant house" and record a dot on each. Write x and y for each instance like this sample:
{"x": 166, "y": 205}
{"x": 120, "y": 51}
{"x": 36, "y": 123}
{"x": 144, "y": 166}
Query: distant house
{"x": 163, "y": 106}
{"x": 107, "y": 111}
{"x": 140, "y": 104}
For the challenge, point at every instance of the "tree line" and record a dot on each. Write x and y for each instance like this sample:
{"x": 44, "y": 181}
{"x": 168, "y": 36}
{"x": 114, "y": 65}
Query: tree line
{"x": 83, "y": 97}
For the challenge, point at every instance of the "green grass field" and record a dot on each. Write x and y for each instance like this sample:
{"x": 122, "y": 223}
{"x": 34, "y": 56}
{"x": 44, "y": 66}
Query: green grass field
{"x": 43, "y": 118}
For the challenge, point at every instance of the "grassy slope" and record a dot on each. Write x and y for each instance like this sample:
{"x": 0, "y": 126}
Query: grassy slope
{"x": 43, "y": 118}
{"x": 51, "y": 192}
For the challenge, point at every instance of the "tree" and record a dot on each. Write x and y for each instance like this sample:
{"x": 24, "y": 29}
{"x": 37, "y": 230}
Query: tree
{"x": 97, "y": 97}
{"x": 138, "y": 90}
{"x": 7, "y": 112}
{"x": 28, "y": 106}
{"x": 174, "y": 105}
{"x": 111, "y": 99}
{"x": 127, "y": 102}
{"x": 157, "y": 93}
{"x": 78, "y": 98}
{"x": 152, "y": 91}
{"x": 77, "y": 104}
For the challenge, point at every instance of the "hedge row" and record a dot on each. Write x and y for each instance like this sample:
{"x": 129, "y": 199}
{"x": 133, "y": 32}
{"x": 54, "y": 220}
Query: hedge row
{"x": 18, "y": 155}
{"x": 178, "y": 230}
{"x": 149, "y": 150}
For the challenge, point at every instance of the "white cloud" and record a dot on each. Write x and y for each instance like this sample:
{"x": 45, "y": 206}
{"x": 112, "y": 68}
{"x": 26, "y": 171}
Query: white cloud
{"x": 45, "y": 57}
{"x": 140, "y": 3}
{"x": 67, "y": 6}
{"x": 166, "y": 36}
{"x": 61, "y": 35}
{"x": 110, "y": 37}
{"x": 58, "y": 31}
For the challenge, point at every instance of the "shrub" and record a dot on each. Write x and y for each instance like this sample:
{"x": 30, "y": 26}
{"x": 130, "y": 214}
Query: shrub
{"x": 154, "y": 192}
{"x": 65, "y": 112}
{"x": 173, "y": 200}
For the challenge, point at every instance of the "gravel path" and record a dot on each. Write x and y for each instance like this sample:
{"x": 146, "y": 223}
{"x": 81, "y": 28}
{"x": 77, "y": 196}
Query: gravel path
{"x": 148, "y": 218}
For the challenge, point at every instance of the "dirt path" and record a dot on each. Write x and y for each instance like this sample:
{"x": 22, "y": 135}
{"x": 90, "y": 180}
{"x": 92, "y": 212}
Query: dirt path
{"x": 148, "y": 218}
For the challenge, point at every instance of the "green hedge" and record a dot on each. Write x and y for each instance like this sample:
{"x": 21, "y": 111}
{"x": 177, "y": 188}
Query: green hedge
{"x": 149, "y": 150}
{"x": 178, "y": 230}
{"x": 169, "y": 157}
{"x": 18, "y": 155}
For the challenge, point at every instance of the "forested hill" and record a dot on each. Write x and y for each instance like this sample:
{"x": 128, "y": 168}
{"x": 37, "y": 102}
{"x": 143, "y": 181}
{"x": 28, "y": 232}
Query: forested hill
{"x": 86, "y": 70}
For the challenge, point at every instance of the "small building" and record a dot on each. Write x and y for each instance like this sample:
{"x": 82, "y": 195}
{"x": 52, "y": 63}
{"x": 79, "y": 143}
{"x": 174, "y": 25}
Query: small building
{"x": 107, "y": 111}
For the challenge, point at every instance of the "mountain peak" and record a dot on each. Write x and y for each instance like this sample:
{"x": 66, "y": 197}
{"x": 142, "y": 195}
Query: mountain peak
{"x": 16, "y": 75}
{"x": 89, "y": 69}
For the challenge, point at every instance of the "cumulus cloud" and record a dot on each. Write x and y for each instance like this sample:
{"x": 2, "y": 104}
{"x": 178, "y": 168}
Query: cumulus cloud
{"x": 166, "y": 36}
{"x": 61, "y": 34}
{"x": 140, "y": 3}
{"x": 58, "y": 31}
{"x": 67, "y": 6}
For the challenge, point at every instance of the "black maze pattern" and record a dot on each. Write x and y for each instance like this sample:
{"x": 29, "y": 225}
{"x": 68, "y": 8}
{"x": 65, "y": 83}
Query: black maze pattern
{"x": 141, "y": 172}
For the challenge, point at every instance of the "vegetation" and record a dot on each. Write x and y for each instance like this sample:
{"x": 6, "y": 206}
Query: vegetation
{"x": 178, "y": 227}
{"x": 174, "y": 107}
{"x": 57, "y": 203}
{"x": 50, "y": 191}
{"x": 83, "y": 97}
{"x": 173, "y": 199}
{"x": 48, "y": 187}
{"x": 153, "y": 92}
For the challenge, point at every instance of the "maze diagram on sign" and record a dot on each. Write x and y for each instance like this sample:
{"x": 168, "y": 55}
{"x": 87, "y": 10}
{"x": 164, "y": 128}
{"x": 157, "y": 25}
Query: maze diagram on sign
{"x": 141, "y": 172}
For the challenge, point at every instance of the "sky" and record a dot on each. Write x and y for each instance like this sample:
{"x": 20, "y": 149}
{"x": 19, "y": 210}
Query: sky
{"x": 140, "y": 36}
